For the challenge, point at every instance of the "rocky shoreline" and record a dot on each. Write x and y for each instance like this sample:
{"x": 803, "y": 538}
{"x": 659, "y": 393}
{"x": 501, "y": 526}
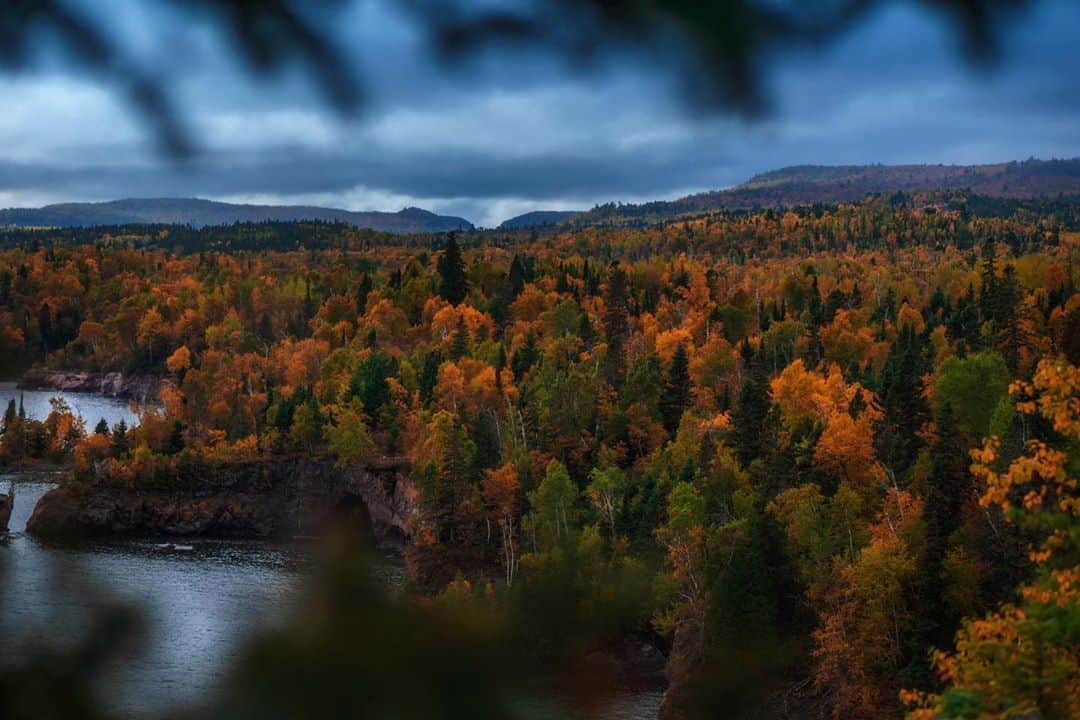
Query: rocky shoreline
{"x": 268, "y": 498}
{"x": 141, "y": 388}
{"x": 278, "y": 499}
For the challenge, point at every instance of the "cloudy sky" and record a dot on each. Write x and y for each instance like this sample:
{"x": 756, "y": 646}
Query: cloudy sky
{"x": 508, "y": 133}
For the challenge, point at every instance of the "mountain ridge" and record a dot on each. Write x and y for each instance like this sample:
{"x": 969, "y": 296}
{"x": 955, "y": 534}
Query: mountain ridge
{"x": 538, "y": 218}
{"x": 784, "y": 187}
{"x": 809, "y": 184}
{"x": 199, "y": 212}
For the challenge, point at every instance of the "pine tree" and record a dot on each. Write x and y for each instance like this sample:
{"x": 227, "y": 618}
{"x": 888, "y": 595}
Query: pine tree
{"x": 988, "y": 274}
{"x": 904, "y": 404}
{"x": 9, "y": 414}
{"x": 453, "y": 285}
{"x": 369, "y": 382}
{"x": 119, "y": 439}
{"x": 752, "y": 409}
{"x": 362, "y": 289}
{"x": 518, "y": 276}
{"x": 525, "y": 357}
{"x": 615, "y": 324}
{"x": 266, "y": 329}
{"x": 459, "y": 343}
{"x": 1010, "y": 335}
{"x": 429, "y": 377}
{"x": 676, "y": 396}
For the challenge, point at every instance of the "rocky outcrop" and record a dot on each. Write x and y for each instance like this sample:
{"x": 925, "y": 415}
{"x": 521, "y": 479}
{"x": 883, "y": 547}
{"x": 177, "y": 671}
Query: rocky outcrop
{"x": 273, "y": 498}
{"x": 142, "y": 388}
{"x": 7, "y": 502}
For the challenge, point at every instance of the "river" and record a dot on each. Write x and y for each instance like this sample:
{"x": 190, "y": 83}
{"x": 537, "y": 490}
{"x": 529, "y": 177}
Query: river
{"x": 198, "y": 607}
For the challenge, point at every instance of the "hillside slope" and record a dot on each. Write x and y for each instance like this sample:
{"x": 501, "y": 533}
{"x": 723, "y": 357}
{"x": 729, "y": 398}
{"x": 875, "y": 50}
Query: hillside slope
{"x": 538, "y": 218}
{"x": 197, "y": 212}
{"x": 809, "y": 184}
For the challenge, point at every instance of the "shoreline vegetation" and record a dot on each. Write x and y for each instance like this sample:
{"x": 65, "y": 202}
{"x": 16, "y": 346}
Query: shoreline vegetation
{"x": 825, "y": 457}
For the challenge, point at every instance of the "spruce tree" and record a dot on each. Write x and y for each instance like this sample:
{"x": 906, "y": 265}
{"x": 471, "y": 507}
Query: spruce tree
{"x": 453, "y": 284}
{"x": 429, "y": 377}
{"x": 751, "y": 410}
{"x": 525, "y": 357}
{"x": 9, "y": 414}
{"x": 459, "y": 343}
{"x": 988, "y": 274}
{"x": 615, "y": 324}
{"x": 1010, "y": 336}
{"x": 676, "y": 390}
{"x": 904, "y": 404}
{"x": 119, "y": 439}
{"x": 517, "y": 276}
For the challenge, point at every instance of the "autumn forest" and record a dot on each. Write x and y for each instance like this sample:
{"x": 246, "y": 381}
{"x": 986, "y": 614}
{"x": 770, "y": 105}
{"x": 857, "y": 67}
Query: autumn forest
{"x": 827, "y": 454}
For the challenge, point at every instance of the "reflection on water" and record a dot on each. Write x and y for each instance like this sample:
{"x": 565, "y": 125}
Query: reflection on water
{"x": 199, "y": 606}
{"x": 91, "y": 406}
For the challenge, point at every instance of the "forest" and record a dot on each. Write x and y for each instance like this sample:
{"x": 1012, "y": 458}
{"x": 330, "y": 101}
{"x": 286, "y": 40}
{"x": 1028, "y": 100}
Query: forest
{"x": 833, "y": 449}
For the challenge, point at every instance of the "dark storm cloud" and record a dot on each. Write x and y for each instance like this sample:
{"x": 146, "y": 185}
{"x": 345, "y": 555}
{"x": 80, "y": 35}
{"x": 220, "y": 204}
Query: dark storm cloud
{"x": 506, "y": 134}
{"x": 424, "y": 174}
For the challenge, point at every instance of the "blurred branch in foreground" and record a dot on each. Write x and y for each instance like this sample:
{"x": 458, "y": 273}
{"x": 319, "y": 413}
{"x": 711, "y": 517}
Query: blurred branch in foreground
{"x": 718, "y": 50}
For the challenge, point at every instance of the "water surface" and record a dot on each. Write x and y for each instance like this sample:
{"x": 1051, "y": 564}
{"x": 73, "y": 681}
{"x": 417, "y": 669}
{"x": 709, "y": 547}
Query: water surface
{"x": 92, "y": 407}
{"x": 199, "y": 607}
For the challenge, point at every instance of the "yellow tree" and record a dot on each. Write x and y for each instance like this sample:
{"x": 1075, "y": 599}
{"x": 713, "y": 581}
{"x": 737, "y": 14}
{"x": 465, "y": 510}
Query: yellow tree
{"x": 1024, "y": 659}
{"x": 501, "y": 488}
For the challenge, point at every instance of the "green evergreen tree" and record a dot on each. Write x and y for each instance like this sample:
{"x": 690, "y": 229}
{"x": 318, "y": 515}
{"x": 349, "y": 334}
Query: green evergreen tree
{"x": 119, "y": 442}
{"x": 369, "y": 382}
{"x": 677, "y": 385}
{"x": 525, "y": 357}
{"x": 429, "y": 376}
{"x": 615, "y": 324}
{"x": 459, "y": 343}
{"x": 518, "y": 276}
{"x": 751, "y": 410}
{"x": 10, "y": 414}
{"x": 453, "y": 284}
{"x": 988, "y": 296}
{"x": 904, "y": 404}
{"x": 1010, "y": 336}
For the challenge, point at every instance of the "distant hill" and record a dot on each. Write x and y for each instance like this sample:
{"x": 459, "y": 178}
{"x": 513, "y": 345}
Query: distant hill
{"x": 538, "y": 218}
{"x": 809, "y": 184}
{"x": 198, "y": 213}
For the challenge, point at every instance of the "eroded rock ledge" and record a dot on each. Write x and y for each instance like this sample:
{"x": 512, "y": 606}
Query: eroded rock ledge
{"x": 143, "y": 388}
{"x": 268, "y": 498}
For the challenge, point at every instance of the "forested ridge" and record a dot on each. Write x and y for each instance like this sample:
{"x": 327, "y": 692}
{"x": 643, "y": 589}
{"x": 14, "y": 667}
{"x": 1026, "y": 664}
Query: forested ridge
{"x": 827, "y": 453}
{"x": 1036, "y": 181}
{"x": 197, "y": 212}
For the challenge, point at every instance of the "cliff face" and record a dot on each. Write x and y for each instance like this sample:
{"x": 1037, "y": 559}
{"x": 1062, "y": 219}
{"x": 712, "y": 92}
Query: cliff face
{"x": 143, "y": 388}
{"x": 7, "y": 501}
{"x": 274, "y": 498}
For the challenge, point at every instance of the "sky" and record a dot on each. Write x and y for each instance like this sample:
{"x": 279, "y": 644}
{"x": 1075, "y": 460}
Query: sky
{"x": 511, "y": 132}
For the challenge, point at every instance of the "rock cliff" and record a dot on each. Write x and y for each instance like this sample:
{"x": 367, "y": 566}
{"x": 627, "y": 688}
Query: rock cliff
{"x": 7, "y": 501}
{"x": 269, "y": 498}
{"x": 142, "y": 388}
